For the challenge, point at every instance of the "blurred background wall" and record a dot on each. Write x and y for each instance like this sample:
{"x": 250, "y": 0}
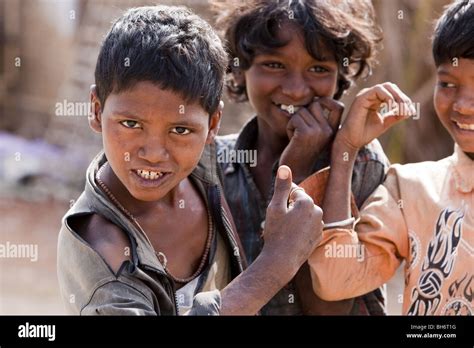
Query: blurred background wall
{"x": 48, "y": 50}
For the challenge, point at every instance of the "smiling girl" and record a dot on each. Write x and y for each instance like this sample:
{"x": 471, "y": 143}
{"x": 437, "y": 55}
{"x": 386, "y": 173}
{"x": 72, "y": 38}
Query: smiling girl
{"x": 292, "y": 61}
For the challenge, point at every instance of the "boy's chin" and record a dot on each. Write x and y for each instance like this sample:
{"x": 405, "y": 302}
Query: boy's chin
{"x": 469, "y": 151}
{"x": 150, "y": 193}
{"x": 463, "y": 138}
{"x": 467, "y": 146}
{"x": 149, "y": 196}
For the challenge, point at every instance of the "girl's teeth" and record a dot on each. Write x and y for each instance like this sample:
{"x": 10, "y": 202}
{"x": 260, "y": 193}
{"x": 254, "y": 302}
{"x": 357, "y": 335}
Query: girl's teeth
{"x": 291, "y": 109}
{"x": 465, "y": 126}
{"x": 145, "y": 174}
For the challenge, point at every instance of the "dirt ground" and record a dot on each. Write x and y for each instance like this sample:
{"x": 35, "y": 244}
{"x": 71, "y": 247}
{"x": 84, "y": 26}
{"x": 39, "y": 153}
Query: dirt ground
{"x": 29, "y": 287}
{"x": 26, "y": 286}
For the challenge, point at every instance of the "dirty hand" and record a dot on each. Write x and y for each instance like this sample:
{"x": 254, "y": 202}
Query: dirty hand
{"x": 293, "y": 225}
{"x": 310, "y": 131}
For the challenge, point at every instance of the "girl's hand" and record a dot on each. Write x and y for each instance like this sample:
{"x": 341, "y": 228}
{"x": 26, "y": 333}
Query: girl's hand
{"x": 310, "y": 131}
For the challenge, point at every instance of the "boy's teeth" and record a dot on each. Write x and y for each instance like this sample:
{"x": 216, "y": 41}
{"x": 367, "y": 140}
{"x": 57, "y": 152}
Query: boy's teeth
{"x": 146, "y": 174}
{"x": 465, "y": 126}
{"x": 291, "y": 109}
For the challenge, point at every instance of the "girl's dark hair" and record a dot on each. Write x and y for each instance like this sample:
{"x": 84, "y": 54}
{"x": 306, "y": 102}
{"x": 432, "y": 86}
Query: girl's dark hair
{"x": 454, "y": 33}
{"x": 347, "y": 28}
{"x": 169, "y": 46}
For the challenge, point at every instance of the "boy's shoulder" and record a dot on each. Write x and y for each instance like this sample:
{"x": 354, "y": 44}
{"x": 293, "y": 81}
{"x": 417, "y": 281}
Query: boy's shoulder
{"x": 84, "y": 263}
{"x": 101, "y": 236}
{"x": 106, "y": 238}
{"x": 421, "y": 170}
{"x": 415, "y": 178}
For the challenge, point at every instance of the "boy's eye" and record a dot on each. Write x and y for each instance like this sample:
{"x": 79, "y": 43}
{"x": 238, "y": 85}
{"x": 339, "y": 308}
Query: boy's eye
{"x": 130, "y": 124}
{"x": 181, "y": 130}
{"x": 446, "y": 85}
{"x": 273, "y": 65}
{"x": 319, "y": 69}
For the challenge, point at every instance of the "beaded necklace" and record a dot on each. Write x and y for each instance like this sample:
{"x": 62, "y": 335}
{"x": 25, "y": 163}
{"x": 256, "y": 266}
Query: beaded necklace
{"x": 160, "y": 255}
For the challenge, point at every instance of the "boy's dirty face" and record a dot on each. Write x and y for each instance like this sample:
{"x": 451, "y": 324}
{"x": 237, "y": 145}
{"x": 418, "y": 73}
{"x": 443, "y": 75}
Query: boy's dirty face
{"x": 153, "y": 139}
{"x": 454, "y": 101}
{"x": 284, "y": 79}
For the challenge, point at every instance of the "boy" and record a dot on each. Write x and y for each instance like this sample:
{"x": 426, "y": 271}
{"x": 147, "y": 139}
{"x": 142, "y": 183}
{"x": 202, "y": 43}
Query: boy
{"x": 151, "y": 234}
{"x": 292, "y": 60}
{"x": 424, "y": 212}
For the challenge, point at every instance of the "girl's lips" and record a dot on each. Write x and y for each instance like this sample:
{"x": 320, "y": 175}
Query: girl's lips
{"x": 282, "y": 112}
{"x": 289, "y": 109}
{"x": 151, "y": 183}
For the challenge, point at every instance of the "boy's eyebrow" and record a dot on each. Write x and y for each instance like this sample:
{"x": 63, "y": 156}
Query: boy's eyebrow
{"x": 446, "y": 72}
{"x": 185, "y": 122}
{"x": 182, "y": 121}
{"x": 443, "y": 70}
{"x": 127, "y": 114}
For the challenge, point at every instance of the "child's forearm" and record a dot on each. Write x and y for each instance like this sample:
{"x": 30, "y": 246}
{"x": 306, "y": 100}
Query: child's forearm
{"x": 312, "y": 304}
{"x": 252, "y": 289}
{"x": 337, "y": 200}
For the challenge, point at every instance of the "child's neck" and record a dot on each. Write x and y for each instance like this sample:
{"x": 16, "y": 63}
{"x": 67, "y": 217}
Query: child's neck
{"x": 269, "y": 148}
{"x": 137, "y": 207}
{"x": 269, "y": 145}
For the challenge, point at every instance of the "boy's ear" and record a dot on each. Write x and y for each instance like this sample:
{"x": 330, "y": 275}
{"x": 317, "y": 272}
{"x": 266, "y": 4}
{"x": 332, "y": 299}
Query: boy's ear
{"x": 215, "y": 123}
{"x": 238, "y": 77}
{"x": 95, "y": 116}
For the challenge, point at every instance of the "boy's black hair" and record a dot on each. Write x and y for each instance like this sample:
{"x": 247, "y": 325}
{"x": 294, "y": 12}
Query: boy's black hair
{"x": 346, "y": 28}
{"x": 169, "y": 46}
{"x": 454, "y": 33}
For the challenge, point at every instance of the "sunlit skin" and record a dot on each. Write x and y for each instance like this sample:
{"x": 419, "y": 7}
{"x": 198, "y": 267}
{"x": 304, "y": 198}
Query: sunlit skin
{"x": 454, "y": 101}
{"x": 147, "y": 128}
{"x": 288, "y": 75}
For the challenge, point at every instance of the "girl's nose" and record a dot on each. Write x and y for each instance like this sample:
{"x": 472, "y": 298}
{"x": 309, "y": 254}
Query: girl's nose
{"x": 295, "y": 87}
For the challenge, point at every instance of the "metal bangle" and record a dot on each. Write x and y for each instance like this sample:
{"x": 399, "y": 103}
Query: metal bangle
{"x": 339, "y": 224}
